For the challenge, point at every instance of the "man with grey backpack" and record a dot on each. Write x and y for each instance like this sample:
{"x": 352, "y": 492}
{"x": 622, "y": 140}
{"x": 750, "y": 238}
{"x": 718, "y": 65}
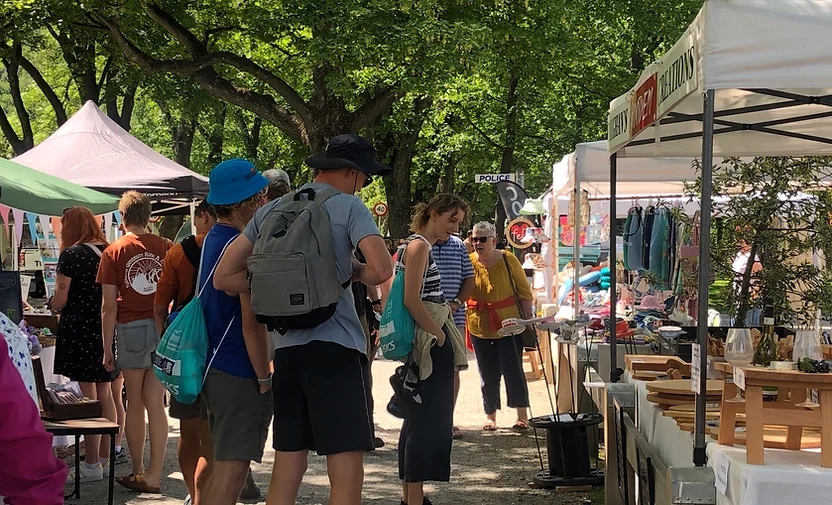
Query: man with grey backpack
{"x": 296, "y": 257}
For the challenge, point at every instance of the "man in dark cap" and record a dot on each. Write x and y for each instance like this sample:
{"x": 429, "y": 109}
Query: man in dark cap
{"x": 322, "y": 375}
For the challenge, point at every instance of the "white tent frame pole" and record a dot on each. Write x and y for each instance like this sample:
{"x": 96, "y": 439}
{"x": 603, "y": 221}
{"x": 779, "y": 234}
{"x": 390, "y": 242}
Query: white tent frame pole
{"x": 576, "y": 248}
{"x": 615, "y": 372}
{"x": 699, "y": 458}
{"x": 192, "y": 208}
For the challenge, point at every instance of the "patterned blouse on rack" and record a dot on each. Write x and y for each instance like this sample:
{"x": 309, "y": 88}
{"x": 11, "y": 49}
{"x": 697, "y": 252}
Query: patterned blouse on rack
{"x": 18, "y": 346}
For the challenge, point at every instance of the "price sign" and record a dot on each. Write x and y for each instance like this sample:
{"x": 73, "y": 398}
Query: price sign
{"x": 695, "y": 368}
{"x": 723, "y": 465}
{"x": 380, "y": 209}
{"x": 739, "y": 377}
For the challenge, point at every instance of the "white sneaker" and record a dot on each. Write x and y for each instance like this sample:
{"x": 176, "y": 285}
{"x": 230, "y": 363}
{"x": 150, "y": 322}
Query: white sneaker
{"x": 87, "y": 474}
{"x": 187, "y": 500}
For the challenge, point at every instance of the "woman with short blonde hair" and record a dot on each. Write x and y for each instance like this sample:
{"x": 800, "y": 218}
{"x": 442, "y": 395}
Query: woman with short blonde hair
{"x": 500, "y": 286}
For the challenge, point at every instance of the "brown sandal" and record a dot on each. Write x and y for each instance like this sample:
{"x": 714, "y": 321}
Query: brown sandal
{"x": 137, "y": 483}
{"x": 490, "y": 426}
{"x": 520, "y": 426}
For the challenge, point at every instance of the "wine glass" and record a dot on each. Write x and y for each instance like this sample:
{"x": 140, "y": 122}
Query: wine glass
{"x": 739, "y": 351}
{"x": 807, "y": 345}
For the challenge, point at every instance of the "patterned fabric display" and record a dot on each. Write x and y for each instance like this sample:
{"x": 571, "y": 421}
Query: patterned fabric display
{"x": 19, "y": 353}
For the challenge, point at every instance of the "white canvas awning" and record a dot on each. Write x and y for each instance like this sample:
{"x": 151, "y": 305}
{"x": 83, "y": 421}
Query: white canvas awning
{"x": 769, "y": 65}
{"x": 91, "y": 150}
{"x": 589, "y": 165}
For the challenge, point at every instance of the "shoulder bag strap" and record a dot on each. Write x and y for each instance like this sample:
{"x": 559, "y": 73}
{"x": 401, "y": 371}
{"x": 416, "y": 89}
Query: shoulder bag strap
{"x": 427, "y": 264}
{"x": 191, "y": 250}
{"x": 214, "y": 269}
{"x": 227, "y": 328}
{"x": 513, "y": 285}
{"x": 96, "y": 250}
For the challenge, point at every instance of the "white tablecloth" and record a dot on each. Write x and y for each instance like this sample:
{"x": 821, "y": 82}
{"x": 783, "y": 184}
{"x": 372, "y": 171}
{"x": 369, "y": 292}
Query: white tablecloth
{"x": 787, "y": 478}
{"x": 673, "y": 445}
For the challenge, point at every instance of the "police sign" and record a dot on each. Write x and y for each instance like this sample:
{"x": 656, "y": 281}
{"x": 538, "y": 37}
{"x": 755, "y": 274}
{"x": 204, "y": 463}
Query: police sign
{"x": 493, "y": 178}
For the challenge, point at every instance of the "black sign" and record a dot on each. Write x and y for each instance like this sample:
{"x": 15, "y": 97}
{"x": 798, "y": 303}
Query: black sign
{"x": 513, "y": 196}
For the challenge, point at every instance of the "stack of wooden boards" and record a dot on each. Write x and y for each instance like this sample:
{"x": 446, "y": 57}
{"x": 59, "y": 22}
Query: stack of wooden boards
{"x": 675, "y": 393}
{"x": 649, "y": 367}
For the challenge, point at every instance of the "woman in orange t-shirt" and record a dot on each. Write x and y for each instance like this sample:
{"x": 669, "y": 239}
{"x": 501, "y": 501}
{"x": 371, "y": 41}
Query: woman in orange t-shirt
{"x": 492, "y": 301}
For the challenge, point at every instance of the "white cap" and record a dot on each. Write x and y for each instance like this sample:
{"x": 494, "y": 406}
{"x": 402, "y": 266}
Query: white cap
{"x": 276, "y": 175}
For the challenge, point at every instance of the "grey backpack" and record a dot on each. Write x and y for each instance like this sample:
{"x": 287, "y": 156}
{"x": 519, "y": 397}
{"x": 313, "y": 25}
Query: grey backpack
{"x": 292, "y": 272}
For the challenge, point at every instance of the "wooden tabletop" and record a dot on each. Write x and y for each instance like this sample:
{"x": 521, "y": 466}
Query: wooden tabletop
{"x": 81, "y": 426}
{"x": 755, "y": 374}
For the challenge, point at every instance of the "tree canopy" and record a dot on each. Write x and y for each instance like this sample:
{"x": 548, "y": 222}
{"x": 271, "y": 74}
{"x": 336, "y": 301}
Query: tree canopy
{"x": 445, "y": 88}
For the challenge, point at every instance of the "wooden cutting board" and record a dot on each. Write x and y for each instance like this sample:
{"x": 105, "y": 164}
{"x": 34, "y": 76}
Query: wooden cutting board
{"x": 647, "y": 376}
{"x": 682, "y": 415}
{"x": 662, "y": 400}
{"x": 690, "y": 398}
{"x": 653, "y": 362}
{"x": 692, "y": 408}
{"x": 682, "y": 387}
{"x": 774, "y": 437}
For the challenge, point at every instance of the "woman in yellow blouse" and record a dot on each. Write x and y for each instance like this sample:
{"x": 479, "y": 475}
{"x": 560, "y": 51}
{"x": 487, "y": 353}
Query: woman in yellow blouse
{"x": 493, "y": 301}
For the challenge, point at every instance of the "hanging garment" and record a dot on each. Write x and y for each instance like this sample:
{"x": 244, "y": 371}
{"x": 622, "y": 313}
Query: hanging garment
{"x": 669, "y": 259}
{"x": 659, "y": 242}
{"x": 648, "y": 217}
{"x": 634, "y": 240}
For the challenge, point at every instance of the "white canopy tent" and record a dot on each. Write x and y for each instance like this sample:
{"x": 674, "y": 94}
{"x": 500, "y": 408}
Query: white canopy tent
{"x": 587, "y": 169}
{"x": 748, "y": 77}
{"x": 91, "y": 150}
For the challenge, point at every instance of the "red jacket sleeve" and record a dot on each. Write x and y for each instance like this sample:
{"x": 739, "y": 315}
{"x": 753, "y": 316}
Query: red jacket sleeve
{"x": 30, "y": 474}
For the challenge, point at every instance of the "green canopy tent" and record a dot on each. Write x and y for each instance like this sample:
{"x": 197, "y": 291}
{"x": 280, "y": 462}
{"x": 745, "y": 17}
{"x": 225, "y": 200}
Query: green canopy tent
{"x": 29, "y": 190}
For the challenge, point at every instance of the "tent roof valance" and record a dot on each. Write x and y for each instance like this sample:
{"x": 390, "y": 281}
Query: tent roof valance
{"x": 768, "y": 63}
{"x": 589, "y": 164}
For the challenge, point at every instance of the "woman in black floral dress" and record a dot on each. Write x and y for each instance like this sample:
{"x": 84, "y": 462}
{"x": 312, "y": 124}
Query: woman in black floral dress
{"x": 80, "y": 352}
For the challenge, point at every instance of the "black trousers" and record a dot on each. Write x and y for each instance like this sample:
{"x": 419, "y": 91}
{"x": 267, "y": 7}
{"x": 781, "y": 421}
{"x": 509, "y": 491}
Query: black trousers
{"x": 499, "y": 358}
{"x": 425, "y": 440}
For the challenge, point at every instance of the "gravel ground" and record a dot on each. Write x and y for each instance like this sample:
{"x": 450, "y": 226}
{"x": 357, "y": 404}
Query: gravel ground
{"x": 488, "y": 468}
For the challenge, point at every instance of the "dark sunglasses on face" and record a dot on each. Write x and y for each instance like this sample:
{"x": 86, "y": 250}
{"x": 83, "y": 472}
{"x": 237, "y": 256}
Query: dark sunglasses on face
{"x": 481, "y": 240}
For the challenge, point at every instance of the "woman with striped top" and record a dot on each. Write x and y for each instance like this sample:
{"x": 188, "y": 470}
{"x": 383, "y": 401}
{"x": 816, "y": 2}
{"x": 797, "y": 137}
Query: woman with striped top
{"x": 425, "y": 440}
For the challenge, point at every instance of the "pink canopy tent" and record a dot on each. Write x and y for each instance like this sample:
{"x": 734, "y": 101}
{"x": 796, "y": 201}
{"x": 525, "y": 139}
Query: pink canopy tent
{"x": 91, "y": 150}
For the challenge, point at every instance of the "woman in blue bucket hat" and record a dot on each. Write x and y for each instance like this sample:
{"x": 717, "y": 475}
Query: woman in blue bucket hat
{"x": 237, "y": 385}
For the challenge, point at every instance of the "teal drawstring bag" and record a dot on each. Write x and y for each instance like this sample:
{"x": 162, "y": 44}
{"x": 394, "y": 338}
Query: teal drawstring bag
{"x": 397, "y": 329}
{"x": 180, "y": 358}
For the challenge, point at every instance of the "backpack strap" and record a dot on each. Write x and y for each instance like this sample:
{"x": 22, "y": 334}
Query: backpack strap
{"x": 192, "y": 250}
{"x": 318, "y": 198}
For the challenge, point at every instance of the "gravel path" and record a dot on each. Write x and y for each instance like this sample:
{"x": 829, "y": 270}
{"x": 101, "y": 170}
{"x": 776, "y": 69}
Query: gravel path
{"x": 488, "y": 468}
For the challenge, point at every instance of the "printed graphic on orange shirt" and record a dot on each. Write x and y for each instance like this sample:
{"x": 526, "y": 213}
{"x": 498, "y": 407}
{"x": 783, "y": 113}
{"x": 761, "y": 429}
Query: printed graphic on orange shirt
{"x": 142, "y": 273}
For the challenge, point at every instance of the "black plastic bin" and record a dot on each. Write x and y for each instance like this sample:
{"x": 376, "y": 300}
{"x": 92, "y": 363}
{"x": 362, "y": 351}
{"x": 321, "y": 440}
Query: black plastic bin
{"x": 567, "y": 445}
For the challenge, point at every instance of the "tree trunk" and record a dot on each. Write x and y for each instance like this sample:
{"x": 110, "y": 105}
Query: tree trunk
{"x": 398, "y": 186}
{"x": 183, "y": 141}
{"x": 215, "y": 135}
{"x": 745, "y": 286}
{"x": 170, "y": 226}
{"x": 27, "y": 140}
{"x": 510, "y": 141}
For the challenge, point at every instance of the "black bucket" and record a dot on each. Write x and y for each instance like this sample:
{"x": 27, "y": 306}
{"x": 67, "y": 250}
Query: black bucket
{"x": 567, "y": 444}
